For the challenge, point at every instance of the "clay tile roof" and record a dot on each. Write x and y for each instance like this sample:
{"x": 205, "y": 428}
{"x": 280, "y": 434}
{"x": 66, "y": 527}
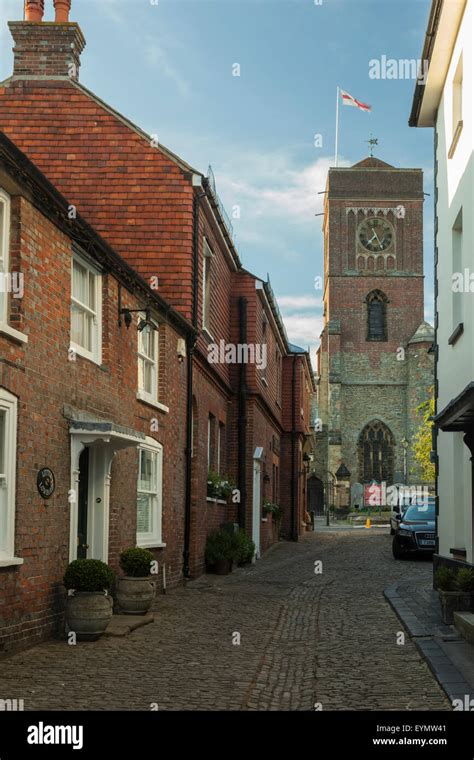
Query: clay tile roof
{"x": 372, "y": 163}
{"x": 137, "y": 196}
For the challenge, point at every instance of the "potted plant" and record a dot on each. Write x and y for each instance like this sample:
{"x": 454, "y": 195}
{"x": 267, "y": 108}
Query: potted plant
{"x": 136, "y": 589}
{"x": 455, "y": 590}
{"x": 465, "y": 583}
{"x": 269, "y": 508}
{"x": 220, "y": 551}
{"x": 245, "y": 548}
{"x": 88, "y": 606}
{"x": 218, "y": 486}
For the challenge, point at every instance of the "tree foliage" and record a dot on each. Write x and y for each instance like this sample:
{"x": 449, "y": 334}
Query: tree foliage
{"x": 422, "y": 440}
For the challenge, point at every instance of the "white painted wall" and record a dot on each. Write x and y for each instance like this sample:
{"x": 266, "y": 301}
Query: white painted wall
{"x": 455, "y": 182}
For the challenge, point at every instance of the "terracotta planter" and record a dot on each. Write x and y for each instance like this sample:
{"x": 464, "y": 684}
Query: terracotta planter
{"x": 454, "y": 601}
{"x": 223, "y": 566}
{"x": 88, "y": 614}
{"x": 135, "y": 595}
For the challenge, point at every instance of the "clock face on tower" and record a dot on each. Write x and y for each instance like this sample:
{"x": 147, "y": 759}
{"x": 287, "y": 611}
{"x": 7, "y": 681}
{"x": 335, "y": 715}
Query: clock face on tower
{"x": 375, "y": 234}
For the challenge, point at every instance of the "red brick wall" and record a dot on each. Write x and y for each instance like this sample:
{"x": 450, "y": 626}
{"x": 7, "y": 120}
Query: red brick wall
{"x": 41, "y": 376}
{"x": 207, "y": 515}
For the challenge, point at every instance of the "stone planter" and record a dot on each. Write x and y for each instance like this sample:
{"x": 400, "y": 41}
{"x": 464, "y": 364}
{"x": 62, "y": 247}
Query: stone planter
{"x": 223, "y": 566}
{"x": 88, "y": 614}
{"x": 135, "y": 595}
{"x": 454, "y": 601}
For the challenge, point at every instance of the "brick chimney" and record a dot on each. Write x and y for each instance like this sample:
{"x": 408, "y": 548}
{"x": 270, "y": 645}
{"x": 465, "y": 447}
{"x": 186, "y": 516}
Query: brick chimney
{"x": 46, "y": 50}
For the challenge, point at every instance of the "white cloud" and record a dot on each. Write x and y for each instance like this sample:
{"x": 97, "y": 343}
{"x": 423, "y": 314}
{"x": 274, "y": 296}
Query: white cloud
{"x": 293, "y": 303}
{"x": 304, "y": 329}
{"x": 157, "y": 57}
{"x": 273, "y": 186}
{"x": 113, "y": 9}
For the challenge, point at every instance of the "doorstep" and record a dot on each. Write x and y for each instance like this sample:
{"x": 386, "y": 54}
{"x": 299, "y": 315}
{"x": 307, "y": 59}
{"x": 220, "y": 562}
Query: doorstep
{"x": 464, "y": 624}
{"x": 447, "y": 654}
{"x": 122, "y": 625}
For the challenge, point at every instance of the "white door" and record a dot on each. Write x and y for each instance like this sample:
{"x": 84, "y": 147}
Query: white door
{"x": 256, "y": 504}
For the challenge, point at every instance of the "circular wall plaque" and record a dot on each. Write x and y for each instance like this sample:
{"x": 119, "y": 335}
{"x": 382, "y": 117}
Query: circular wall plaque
{"x": 45, "y": 482}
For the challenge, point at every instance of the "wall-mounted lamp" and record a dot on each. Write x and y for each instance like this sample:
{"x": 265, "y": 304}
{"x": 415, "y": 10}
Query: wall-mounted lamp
{"x": 127, "y": 318}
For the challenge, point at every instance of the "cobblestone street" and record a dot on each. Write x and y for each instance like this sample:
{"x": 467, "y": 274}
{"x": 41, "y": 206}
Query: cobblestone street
{"x": 306, "y": 638}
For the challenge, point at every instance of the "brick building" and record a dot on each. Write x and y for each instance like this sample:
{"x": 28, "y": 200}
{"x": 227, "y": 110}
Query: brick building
{"x": 76, "y": 401}
{"x": 374, "y": 365}
{"x": 135, "y": 228}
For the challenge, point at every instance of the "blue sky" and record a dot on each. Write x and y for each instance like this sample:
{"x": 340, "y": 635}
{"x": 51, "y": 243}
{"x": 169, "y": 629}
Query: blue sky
{"x": 169, "y": 67}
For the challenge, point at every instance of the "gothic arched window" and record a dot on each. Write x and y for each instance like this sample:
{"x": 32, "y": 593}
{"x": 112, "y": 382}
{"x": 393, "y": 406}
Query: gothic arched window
{"x": 376, "y": 453}
{"x": 377, "y": 316}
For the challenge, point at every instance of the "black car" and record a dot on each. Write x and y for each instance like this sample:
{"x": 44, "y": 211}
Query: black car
{"x": 416, "y": 531}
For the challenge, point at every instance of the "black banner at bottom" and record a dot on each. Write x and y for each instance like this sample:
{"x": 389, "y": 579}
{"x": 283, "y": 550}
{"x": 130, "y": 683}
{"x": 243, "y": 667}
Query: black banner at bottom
{"x": 86, "y": 734}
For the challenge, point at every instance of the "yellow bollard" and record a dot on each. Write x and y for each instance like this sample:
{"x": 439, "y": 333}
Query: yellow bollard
{"x": 368, "y": 523}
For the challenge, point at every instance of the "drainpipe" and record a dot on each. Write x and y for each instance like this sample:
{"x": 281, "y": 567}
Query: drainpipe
{"x": 294, "y": 527}
{"x": 435, "y": 430}
{"x": 191, "y": 342}
{"x": 242, "y": 423}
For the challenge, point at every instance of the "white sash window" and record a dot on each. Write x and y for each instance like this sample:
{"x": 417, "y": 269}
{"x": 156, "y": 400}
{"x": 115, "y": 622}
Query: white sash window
{"x": 8, "y": 432}
{"x": 149, "y": 493}
{"x": 148, "y": 363}
{"x": 86, "y": 300}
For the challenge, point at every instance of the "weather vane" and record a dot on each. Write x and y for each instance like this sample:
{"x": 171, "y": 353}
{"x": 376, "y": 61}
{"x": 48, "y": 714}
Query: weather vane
{"x": 372, "y": 143}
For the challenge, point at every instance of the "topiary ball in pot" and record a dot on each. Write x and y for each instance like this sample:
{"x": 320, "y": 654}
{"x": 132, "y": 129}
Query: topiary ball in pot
{"x": 245, "y": 548}
{"x": 136, "y": 589}
{"x": 452, "y": 596}
{"x": 88, "y": 608}
{"x": 220, "y": 551}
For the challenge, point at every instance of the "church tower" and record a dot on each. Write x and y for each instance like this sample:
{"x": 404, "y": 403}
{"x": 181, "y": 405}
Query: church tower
{"x": 374, "y": 365}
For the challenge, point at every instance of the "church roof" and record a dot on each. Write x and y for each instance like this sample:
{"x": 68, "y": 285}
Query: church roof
{"x": 372, "y": 163}
{"x": 424, "y": 334}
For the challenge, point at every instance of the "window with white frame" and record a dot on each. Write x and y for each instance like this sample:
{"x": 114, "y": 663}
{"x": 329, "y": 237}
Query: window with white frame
{"x": 206, "y": 285}
{"x": 4, "y": 251}
{"x": 86, "y": 308}
{"x": 150, "y": 493}
{"x": 8, "y": 430}
{"x": 148, "y": 363}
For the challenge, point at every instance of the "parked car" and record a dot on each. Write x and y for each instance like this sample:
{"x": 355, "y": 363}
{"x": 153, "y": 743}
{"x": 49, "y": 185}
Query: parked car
{"x": 398, "y": 510}
{"x": 416, "y": 531}
{"x": 396, "y": 516}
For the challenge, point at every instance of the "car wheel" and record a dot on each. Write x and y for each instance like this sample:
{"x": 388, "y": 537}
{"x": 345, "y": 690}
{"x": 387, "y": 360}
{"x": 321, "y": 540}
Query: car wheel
{"x": 397, "y": 554}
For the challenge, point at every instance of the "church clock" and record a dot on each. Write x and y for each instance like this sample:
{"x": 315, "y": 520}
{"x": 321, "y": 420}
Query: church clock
{"x": 375, "y": 234}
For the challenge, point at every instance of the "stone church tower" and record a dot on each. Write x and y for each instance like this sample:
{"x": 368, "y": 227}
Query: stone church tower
{"x": 374, "y": 365}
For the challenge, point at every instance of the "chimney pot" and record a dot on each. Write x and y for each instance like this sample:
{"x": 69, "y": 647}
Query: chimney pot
{"x": 62, "y": 8}
{"x": 34, "y": 10}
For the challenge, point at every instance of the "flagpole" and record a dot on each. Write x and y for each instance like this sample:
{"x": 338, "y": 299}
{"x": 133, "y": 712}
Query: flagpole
{"x": 337, "y": 125}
